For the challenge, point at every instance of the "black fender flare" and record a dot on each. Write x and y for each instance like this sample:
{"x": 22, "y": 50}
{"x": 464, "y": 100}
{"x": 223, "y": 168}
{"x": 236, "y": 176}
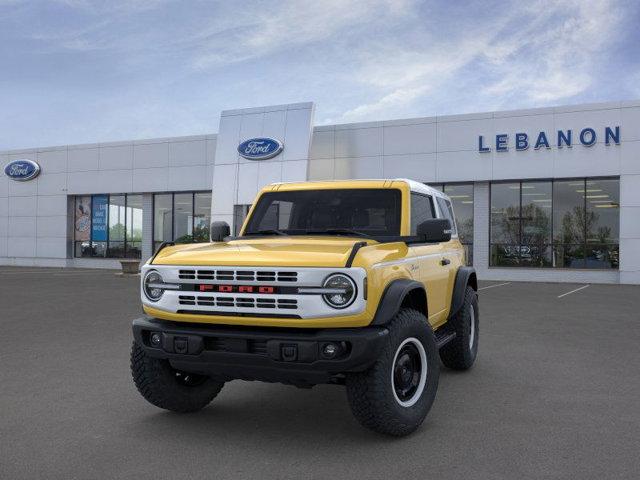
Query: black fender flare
{"x": 392, "y": 299}
{"x": 464, "y": 276}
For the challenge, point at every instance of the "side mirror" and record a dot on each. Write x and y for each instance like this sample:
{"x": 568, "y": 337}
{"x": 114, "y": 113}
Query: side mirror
{"x": 435, "y": 230}
{"x": 219, "y": 230}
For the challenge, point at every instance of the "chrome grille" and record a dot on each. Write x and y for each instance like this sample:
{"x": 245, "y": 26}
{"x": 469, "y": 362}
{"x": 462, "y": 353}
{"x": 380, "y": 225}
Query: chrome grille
{"x": 238, "y": 302}
{"x": 240, "y": 275}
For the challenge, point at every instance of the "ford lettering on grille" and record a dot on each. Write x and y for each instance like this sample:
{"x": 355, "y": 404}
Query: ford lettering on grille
{"x": 206, "y": 287}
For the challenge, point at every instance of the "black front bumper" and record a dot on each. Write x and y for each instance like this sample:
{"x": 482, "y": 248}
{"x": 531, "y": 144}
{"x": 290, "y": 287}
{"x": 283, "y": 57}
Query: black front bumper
{"x": 286, "y": 355}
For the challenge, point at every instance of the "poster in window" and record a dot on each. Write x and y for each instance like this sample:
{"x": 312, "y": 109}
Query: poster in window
{"x": 83, "y": 219}
{"x": 99, "y": 218}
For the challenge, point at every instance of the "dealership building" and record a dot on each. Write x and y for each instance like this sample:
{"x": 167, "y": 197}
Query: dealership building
{"x": 547, "y": 194}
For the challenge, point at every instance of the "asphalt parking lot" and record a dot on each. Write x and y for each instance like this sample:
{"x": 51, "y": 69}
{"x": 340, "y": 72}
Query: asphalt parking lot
{"x": 554, "y": 394}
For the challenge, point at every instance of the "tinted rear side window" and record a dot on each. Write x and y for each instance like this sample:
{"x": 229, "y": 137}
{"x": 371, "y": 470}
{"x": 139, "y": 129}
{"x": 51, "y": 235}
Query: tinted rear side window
{"x": 421, "y": 210}
{"x": 447, "y": 211}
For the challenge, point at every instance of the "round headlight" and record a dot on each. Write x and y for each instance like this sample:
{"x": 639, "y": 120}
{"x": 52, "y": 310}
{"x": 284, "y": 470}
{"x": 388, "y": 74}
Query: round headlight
{"x": 343, "y": 291}
{"x": 150, "y": 286}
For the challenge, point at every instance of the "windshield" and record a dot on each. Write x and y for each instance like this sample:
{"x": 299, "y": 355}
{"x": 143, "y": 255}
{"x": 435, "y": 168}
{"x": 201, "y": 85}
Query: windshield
{"x": 360, "y": 212}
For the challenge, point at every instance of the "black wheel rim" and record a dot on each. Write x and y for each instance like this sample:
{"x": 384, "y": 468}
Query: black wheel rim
{"x": 407, "y": 370}
{"x": 189, "y": 379}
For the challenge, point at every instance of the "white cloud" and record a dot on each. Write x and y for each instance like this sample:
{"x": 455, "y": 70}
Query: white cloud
{"x": 259, "y": 32}
{"x": 542, "y": 52}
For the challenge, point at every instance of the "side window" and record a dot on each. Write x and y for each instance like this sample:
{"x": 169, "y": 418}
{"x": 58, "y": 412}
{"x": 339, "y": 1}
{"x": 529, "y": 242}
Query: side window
{"x": 447, "y": 211}
{"x": 421, "y": 210}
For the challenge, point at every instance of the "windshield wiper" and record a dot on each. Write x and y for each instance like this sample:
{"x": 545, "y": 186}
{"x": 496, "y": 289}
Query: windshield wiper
{"x": 338, "y": 231}
{"x": 267, "y": 232}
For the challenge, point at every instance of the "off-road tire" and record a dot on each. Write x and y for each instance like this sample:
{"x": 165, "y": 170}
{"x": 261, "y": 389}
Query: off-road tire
{"x": 371, "y": 393}
{"x": 458, "y": 354}
{"x": 158, "y": 383}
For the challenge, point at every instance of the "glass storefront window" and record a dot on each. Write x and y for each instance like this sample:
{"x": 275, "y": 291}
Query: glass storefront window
{"x": 82, "y": 226}
{"x": 117, "y": 220}
{"x": 162, "y": 219}
{"x": 201, "y": 216}
{"x": 183, "y": 217}
{"x": 505, "y": 224}
{"x": 563, "y": 224}
{"x": 134, "y": 226}
{"x": 535, "y": 242}
{"x": 108, "y": 226}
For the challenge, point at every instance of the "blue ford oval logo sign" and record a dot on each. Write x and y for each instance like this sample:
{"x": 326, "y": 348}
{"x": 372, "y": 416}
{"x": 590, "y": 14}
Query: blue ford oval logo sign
{"x": 22, "y": 170}
{"x": 260, "y": 148}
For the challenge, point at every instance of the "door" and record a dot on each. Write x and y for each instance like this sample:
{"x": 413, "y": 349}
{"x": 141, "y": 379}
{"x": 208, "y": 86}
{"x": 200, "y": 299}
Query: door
{"x": 428, "y": 267}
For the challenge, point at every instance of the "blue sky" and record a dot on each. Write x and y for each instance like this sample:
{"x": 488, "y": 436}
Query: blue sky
{"x": 76, "y": 71}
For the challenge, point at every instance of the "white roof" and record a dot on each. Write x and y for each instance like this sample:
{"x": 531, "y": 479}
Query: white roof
{"x": 421, "y": 187}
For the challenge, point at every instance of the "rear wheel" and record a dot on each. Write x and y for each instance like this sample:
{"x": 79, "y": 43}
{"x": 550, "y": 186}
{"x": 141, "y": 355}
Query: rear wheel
{"x": 394, "y": 396}
{"x": 460, "y": 353}
{"x": 165, "y": 387}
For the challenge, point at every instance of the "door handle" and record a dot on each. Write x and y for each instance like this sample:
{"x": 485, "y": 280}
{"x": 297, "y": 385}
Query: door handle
{"x": 445, "y": 261}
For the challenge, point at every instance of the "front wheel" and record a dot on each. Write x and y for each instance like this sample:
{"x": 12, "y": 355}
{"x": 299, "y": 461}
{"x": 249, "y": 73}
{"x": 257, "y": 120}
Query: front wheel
{"x": 165, "y": 387}
{"x": 394, "y": 396}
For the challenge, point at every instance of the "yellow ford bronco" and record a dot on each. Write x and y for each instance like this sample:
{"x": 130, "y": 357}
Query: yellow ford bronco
{"x": 357, "y": 283}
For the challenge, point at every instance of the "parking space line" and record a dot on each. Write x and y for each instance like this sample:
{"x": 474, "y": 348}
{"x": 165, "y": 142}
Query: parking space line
{"x": 573, "y": 291}
{"x": 494, "y": 285}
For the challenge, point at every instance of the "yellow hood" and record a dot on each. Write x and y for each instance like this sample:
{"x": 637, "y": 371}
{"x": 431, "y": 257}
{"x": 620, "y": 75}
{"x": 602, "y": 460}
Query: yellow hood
{"x": 269, "y": 251}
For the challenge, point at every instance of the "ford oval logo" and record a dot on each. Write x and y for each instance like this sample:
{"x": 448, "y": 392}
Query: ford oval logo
{"x": 260, "y": 148}
{"x": 22, "y": 170}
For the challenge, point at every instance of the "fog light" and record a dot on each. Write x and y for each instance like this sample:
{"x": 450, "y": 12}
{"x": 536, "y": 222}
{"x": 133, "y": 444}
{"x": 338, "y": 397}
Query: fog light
{"x": 155, "y": 339}
{"x": 330, "y": 350}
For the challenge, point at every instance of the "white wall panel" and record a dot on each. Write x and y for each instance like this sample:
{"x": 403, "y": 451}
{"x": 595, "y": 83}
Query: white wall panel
{"x": 463, "y": 166}
{"x": 224, "y": 189}
{"x": 274, "y": 125}
{"x": 581, "y": 161}
{"x": 115, "y": 181}
{"x": 361, "y": 167}
{"x": 22, "y": 206}
{"x": 51, "y": 226}
{"x": 630, "y": 191}
{"x": 118, "y": 157}
{"x": 84, "y": 182}
{"x": 4, "y": 227}
{"x": 188, "y": 178}
{"x": 420, "y": 167}
{"x": 151, "y": 155}
{"x": 420, "y": 138}
{"x": 463, "y": 135}
{"x": 269, "y": 172}
{"x": 188, "y": 153}
{"x": 150, "y": 180}
{"x": 21, "y": 246}
{"x": 630, "y": 124}
{"x": 630, "y": 157}
{"x": 322, "y": 144}
{"x": 51, "y": 247}
{"x": 83, "y": 159}
{"x": 52, "y": 183}
{"x": 294, "y": 171}
{"x": 52, "y": 161}
{"x": 297, "y": 136}
{"x": 23, "y": 189}
{"x": 358, "y": 142}
{"x": 22, "y": 227}
{"x": 321, "y": 169}
{"x": 51, "y": 205}
{"x": 228, "y": 139}
{"x": 247, "y": 183}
